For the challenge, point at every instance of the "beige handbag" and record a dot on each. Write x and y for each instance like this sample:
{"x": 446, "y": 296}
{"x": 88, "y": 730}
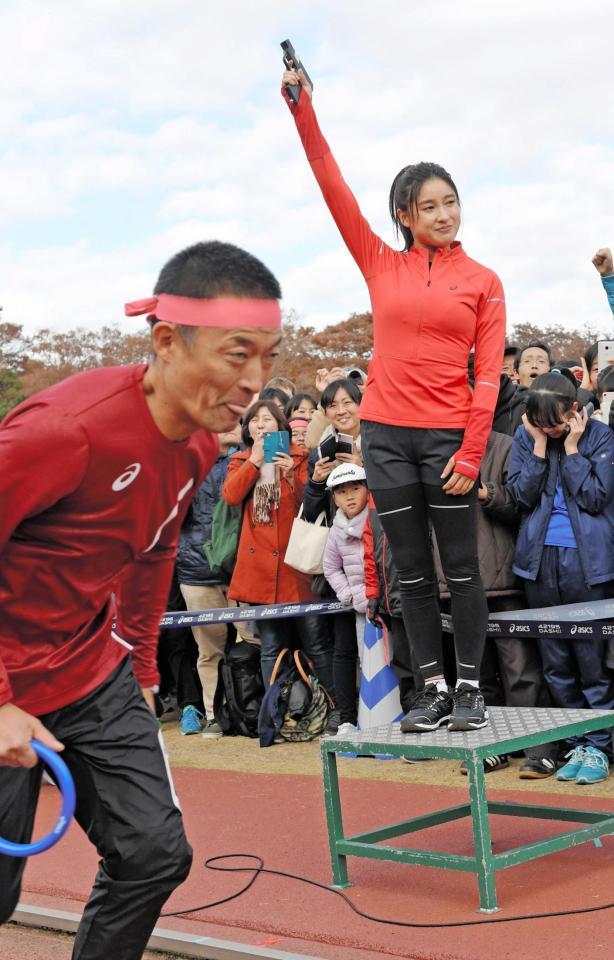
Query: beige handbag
{"x": 305, "y": 551}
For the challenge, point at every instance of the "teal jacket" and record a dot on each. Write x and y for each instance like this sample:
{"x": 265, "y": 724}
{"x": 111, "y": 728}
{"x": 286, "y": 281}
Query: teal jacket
{"x": 608, "y": 286}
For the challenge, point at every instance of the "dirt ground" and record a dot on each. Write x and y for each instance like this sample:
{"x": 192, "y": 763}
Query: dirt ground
{"x": 24, "y": 943}
{"x": 240, "y": 753}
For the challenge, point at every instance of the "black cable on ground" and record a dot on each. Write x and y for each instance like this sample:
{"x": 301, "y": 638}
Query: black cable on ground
{"x": 260, "y": 869}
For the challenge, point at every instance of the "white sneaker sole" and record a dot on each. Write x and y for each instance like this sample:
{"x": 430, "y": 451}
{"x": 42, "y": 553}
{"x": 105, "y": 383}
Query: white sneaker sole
{"x": 422, "y": 727}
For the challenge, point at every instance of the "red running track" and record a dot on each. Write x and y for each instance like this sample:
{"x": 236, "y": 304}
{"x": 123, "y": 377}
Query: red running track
{"x": 281, "y": 818}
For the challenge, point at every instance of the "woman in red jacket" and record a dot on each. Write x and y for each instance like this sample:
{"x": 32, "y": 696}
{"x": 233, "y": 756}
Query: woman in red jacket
{"x": 423, "y": 432}
{"x": 271, "y": 502}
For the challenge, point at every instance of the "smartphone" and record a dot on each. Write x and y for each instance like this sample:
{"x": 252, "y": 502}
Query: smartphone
{"x": 345, "y": 443}
{"x": 274, "y": 443}
{"x": 606, "y": 406}
{"x": 328, "y": 448}
{"x": 605, "y": 353}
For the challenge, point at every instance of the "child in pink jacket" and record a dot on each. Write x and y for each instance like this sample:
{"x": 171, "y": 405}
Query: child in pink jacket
{"x": 344, "y": 554}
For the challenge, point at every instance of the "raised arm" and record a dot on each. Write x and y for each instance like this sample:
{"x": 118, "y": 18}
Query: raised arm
{"x": 240, "y": 480}
{"x": 528, "y": 468}
{"x": 364, "y": 245}
{"x": 604, "y": 264}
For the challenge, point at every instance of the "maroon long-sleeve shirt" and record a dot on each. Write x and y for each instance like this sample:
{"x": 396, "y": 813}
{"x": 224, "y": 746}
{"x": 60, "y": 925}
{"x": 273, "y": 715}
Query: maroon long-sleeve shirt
{"x": 92, "y": 497}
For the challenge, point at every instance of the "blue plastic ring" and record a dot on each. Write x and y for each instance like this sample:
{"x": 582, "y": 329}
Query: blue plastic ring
{"x": 69, "y": 798}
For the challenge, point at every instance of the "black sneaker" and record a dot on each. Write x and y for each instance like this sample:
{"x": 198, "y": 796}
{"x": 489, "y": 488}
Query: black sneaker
{"x": 431, "y": 708}
{"x": 332, "y": 722}
{"x": 469, "y": 711}
{"x": 537, "y": 768}
{"x": 490, "y": 764}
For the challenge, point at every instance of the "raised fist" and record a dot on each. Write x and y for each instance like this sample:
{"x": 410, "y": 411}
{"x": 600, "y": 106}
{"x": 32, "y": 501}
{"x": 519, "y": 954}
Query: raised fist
{"x": 602, "y": 262}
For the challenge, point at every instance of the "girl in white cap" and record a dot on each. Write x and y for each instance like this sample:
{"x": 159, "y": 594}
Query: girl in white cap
{"x": 344, "y": 554}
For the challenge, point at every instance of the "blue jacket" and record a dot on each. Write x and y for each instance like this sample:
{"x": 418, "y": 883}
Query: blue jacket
{"x": 608, "y": 286}
{"x": 588, "y": 484}
{"x": 191, "y": 566}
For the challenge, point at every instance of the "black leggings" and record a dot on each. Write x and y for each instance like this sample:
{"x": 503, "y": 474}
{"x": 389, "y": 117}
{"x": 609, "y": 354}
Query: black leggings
{"x": 404, "y": 513}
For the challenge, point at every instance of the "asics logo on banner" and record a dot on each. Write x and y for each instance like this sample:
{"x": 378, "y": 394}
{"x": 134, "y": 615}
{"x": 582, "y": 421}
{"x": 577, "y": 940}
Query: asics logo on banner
{"x": 125, "y": 479}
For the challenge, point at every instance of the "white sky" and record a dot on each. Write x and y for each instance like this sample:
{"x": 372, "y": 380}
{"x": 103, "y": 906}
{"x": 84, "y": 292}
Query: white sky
{"x": 132, "y": 129}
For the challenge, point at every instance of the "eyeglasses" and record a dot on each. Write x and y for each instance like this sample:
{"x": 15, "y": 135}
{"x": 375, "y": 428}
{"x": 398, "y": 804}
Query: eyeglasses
{"x": 344, "y": 405}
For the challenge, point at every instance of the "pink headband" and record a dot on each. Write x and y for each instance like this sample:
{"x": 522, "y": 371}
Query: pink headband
{"x": 219, "y": 312}
{"x": 298, "y": 422}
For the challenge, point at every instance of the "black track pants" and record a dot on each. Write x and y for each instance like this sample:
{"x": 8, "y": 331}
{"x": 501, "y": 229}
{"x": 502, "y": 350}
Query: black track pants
{"x": 404, "y": 513}
{"x": 124, "y": 804}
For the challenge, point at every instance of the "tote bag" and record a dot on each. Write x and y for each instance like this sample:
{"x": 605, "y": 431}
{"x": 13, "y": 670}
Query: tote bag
{"x": 305, "y": 551}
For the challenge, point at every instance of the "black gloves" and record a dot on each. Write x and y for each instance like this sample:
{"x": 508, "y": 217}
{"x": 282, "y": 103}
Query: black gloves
{"x": 374, "y": 611}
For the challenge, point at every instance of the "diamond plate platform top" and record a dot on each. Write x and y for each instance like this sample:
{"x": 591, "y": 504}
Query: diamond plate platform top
{"x": 505, "y": 723}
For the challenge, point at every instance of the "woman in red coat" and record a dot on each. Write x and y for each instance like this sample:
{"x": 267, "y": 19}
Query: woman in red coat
{"x": 272, "y": 495}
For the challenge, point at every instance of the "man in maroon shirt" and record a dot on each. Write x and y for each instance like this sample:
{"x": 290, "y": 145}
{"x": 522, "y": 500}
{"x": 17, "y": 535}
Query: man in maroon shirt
{"x": 96, "y": 477}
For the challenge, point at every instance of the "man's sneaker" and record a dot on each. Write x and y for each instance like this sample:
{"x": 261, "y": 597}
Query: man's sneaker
{"x": 537, "y": 768}
{"x": 490, "y": 764}
{"x": 170, "y": 711}
{"x": 212, "y": 730}
{"x": 332, "y": 722}
{"x": 191, "y": 720}
{"x": 468, "y": 711}
{"x": 573, "y": 766}
{"x": 431, "y": 708}
{"x": 595, "y": 766}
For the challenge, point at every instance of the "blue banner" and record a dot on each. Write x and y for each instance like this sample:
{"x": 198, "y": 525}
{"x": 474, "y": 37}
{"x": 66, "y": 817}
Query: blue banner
{"x": 196, "y": 618}
{"x": 586, "y": 621}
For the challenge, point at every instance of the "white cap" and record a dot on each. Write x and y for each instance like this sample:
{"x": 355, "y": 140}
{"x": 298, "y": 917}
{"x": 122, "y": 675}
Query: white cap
{"x": 346, "y": 473}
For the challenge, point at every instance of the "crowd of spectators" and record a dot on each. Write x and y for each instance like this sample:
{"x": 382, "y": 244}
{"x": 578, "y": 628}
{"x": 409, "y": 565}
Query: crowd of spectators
{"x": 545, "y": 536}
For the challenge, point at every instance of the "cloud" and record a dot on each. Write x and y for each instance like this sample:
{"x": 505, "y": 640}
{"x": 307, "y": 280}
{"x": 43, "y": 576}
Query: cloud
{"x": 170, "y": 117}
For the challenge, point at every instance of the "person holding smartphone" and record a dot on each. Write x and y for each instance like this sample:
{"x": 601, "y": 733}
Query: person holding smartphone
{"x": 339, "y": 404}
{"x": 423, "y": 432}
{"x": 271, "y": 490}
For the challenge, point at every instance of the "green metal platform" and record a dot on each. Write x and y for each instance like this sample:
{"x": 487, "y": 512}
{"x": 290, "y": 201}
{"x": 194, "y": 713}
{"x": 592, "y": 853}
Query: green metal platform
{"x": 509, "y": 729}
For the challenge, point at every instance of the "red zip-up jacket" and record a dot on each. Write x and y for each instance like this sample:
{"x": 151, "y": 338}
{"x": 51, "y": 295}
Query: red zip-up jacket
{"x": 92, "y": 497}
{"x": 426, "y": 319}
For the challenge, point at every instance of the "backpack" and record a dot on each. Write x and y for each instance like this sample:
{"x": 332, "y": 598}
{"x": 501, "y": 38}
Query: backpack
{"x": 221, "y": 549}
{"x": 295, "y": 705}
{"x": 239, "y": 690}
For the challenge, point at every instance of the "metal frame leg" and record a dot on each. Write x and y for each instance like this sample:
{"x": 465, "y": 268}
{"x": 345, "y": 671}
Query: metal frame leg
{"x": 334, "y": 820}
{"x": 482, "y": 843}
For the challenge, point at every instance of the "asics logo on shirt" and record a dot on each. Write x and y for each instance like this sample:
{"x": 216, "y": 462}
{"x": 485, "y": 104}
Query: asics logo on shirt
{"x": 125, "y": 479}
